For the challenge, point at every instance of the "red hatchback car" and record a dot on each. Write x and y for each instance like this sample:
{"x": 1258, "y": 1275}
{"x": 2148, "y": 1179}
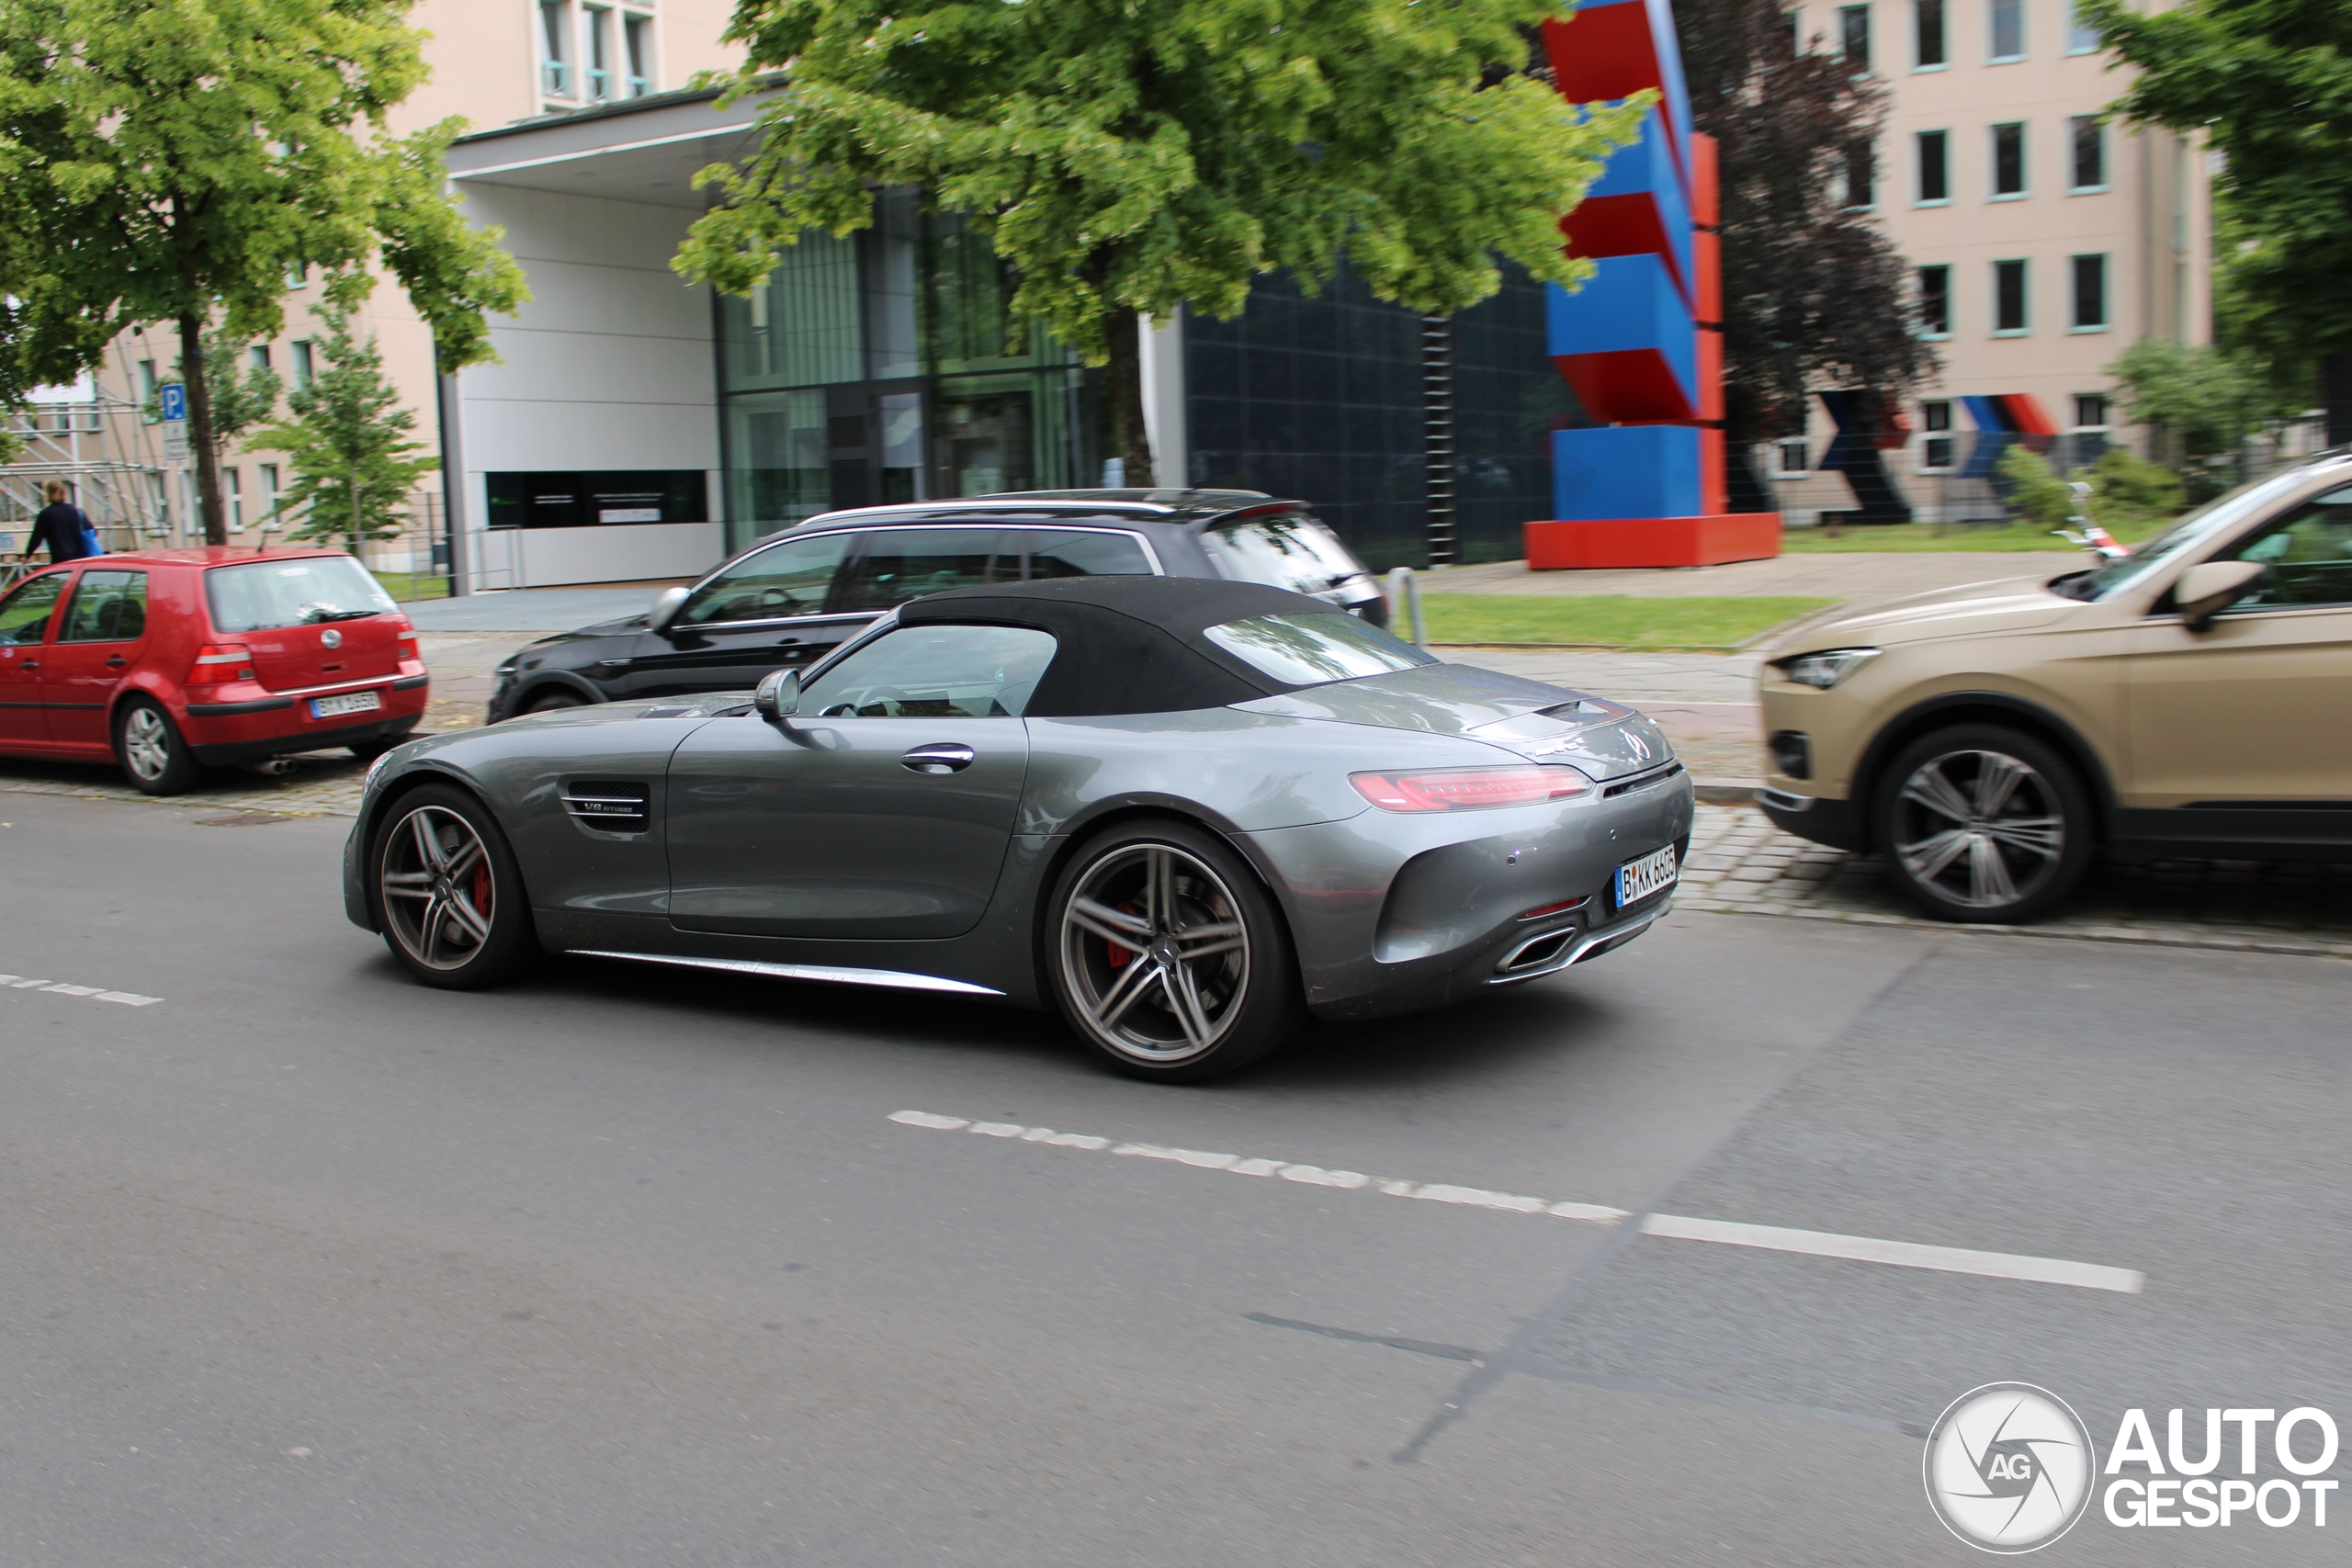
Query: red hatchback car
{"x": 170, "y": 660}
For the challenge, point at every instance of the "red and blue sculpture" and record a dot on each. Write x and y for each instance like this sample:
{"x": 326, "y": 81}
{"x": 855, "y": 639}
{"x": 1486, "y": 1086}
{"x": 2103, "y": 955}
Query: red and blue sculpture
{"x": 1642, "y": 342}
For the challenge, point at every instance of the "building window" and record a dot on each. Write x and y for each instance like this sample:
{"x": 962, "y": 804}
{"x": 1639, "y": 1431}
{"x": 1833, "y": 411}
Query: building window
{"x": 234, "y": 493}
{"x": 1928, "y": 34}
{"x": 637, "y": 35}
{"x": 1854, "y": 37}
{"x": 1934, "y": 301}
{"x": 148, "y": 409}
{"x": 268, "y": 492}
{"x": 258, "y": 356}
{"x": 1792, "y": 455}
{"x": 1935, "y": 167}
{"x": 2090, "y": 411}
{"x": 297, "y": 274}
{"x": 2008, "y": 299}
{"x": 2089, "y": 139}
{"x": 1795, "y": 22}
{"x": 555, "y": 58}
{"x": 2082, "y": 36}
{"x": 600, "y": 54}
{"x": 1936, "y": 449}
{"x": 2090, "y": 294}
{"x": 2009, "y": 30}
{"x": 300, "y": 352}
{"x": 2008, "y": 161}
{"x": 1862, "y": 175}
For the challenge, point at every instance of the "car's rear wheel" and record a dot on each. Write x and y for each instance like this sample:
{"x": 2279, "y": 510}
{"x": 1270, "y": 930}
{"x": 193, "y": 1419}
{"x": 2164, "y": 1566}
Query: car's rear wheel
{"x": 1980, "y": 822}
{"x": 448, "y": 895}
{"x": 1167, "y": 955}
{"x": 154, "y": 755}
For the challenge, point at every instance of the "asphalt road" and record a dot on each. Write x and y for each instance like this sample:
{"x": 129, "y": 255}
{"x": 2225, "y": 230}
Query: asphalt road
{"x": 303, "y": 1264}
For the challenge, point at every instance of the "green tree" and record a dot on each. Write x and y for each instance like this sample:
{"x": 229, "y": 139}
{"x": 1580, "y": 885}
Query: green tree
{"x": 175, "y": 160}
{"x": 2269, "y": 83}
{"x": 2036, "y": 492}
{"x": 1129, "y": 156}
{"x": 348, "y": 444}
{"x": 240, "y": 395}
{"x": 2201, "y": 401}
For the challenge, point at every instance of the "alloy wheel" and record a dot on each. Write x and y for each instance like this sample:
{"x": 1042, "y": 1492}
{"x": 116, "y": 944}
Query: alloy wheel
{"x": 439, "y": 892}
{"x": 1156, "y": 952}
{"x": 1980, "y": 828}
{"x": 146, "y": 744}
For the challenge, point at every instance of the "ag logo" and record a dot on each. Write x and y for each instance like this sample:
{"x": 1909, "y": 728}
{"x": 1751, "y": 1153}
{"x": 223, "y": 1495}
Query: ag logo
{"x": 2009, "y": 1467}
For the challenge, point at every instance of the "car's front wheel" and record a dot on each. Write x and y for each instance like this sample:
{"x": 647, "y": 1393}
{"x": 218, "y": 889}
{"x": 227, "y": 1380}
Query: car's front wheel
{"x": 1983, "y": 823}
{"x": 1167, "y": 957}
{"x": 448, "y": 892}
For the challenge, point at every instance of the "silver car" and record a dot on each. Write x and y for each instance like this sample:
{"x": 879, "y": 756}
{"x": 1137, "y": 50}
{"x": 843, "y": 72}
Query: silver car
{"x": 1185, "y": 813}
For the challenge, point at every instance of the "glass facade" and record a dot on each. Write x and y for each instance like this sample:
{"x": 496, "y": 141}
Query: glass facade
{"x": 888, "y": 366}
{"x": 1322, "y": 399}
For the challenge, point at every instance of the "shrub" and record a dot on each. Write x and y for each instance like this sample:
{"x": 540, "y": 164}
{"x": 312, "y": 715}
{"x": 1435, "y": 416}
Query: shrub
{"x": 2036, "y": 492}
{"x": 2128, "y": 488}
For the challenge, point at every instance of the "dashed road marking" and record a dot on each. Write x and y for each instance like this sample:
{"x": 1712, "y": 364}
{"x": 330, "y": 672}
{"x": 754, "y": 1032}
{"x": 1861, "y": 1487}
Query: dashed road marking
{"x": 1676, "y": 1227}
{"x": 62, "y": 988}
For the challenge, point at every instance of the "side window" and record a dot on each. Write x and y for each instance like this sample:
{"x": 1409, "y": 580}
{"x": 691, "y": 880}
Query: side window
{"x": 2309, "y": 557}
{"x": 935, "y": 672}
{"x": 789, "y": 579}
{"x": 108, "y": 606}
{"x": 900, "y": 564}
{"x": 24, "y": 614}
{"x": 1075, "y": 554}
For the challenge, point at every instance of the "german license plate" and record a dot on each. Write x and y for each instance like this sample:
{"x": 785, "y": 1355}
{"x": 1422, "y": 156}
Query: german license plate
{"x": 349, "y": 702}
{"x": 1637, "y": 879}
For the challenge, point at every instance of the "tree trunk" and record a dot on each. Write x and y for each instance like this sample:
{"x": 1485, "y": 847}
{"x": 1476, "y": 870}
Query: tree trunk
{"x": 2335, "y": 393}
{"x": 1130, "y": 443}
{"x": 199, "y": 431}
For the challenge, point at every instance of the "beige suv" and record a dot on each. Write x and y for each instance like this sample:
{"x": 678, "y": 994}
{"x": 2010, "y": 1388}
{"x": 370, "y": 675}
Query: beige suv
{"x": 2194, "y": 699}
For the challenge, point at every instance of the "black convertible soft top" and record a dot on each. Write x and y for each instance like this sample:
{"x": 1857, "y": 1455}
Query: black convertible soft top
{"x": 1126, "y": 644}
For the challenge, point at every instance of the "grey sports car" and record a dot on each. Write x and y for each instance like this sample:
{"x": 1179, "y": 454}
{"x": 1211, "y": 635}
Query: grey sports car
{"x": 1183, "y": 812}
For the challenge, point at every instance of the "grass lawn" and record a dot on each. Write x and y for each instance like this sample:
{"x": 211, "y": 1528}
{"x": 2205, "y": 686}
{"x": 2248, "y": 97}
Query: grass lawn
{"x": 1917, "y": 537}
{"x": 1606, "y": 620}
{"x": 407, "y": 586}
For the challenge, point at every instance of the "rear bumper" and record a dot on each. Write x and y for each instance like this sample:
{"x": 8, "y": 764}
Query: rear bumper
{"x": 221, "y": 733}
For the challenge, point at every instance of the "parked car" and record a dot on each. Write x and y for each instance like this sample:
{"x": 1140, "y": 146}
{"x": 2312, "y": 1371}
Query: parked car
{"x": 794, "y": 596}
{"x": 170, "y": 661}
{"x": 1182, "y": 812}
{"x": 2192, "y": 699}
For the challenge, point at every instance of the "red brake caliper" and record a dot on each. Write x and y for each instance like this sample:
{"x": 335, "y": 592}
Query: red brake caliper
{"x": 1119, "y": 956}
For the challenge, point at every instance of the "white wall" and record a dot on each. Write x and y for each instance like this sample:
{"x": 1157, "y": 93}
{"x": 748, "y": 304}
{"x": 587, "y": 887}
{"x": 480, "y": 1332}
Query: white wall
{"x": 609, "y": 367}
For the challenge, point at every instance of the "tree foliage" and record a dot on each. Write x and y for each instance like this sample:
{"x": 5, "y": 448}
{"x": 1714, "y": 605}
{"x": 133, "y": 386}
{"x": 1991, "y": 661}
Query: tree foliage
{"x": 175, "y": 160}
{"x": 348, "y": 444}
{"x": 2199, "y": 401}
{"x": 1814, "y": 293}
{"x": 2269, "y": 84}
{"x": 1130, "y": 156}
{"x": 240, "y": 395}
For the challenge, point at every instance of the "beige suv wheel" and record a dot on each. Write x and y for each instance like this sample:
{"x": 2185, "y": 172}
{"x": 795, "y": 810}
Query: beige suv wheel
{"x": 1982, "y": 823}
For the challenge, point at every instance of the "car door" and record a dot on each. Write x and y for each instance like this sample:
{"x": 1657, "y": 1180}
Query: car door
{"x": 24, "y": 614}
{"x": 881, "y": 810}
{"x": 2255, "y": 711}
{"x": 772, "y": 610}
{"x": 102, "y": 633}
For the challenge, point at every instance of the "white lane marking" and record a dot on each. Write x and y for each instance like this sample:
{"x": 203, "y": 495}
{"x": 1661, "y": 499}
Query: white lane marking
{"x": 1674, "y": 1227}
{"x": 1901, "y": 1253}
{"x": 59, "y": 989}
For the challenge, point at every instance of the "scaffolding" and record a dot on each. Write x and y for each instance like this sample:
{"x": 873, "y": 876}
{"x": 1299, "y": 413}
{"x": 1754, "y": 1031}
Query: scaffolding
{"x": 99, "y": 443}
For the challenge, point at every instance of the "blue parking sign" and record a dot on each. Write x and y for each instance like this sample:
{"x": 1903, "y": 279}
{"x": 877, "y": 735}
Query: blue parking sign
{"x": 174, "y": 400}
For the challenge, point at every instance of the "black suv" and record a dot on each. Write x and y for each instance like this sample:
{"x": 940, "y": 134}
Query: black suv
{"x": 793, "y": 597}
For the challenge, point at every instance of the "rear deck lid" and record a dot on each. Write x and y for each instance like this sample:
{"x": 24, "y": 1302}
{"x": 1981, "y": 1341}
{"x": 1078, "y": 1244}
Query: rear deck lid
{"x": 306, "y": 620}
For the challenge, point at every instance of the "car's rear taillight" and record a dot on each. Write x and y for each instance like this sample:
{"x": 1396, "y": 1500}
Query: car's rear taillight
{"x": 1470, "y": 789}
{"x": 218, "y": 662}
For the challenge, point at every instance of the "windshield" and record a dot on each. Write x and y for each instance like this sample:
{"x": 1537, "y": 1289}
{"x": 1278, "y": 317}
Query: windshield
{"x": 270, "y": 593}
{"x": 1314, "y": 649}
{"x": 2213, "y": 517}
{"x": 1293, "y": 552}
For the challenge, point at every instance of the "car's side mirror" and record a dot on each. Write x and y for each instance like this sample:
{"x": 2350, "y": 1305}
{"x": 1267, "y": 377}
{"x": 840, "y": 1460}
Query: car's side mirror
{"x": 2204, "y": 592}
{"x": 666, "y": 605}
{"x": 778, "y": 696}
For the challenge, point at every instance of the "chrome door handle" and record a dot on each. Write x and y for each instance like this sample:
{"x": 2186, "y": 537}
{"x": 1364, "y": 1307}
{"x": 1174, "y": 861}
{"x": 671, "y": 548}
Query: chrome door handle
{"x": 946, "y": 758}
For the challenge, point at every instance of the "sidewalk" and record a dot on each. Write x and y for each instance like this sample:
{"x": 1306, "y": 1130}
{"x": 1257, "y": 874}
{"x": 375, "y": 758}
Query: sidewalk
{"x": 1858, "y": 577}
